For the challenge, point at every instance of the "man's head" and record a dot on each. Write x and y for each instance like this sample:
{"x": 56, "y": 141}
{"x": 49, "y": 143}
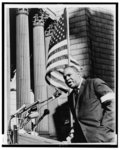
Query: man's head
{"x": 72, "y": 76}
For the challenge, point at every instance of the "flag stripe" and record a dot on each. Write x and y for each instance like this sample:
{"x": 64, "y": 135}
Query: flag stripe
{"x": 63, "y": 42}
{"x": 58, "y": 75}
{"x": 61, "y": 65}
{"x": 57, "y": 54}
{"x": 57, "y": 59}
{"x": 55, "y": 82}
{"x": 57, "y": 50}
{"x": 63, "y": 59}
{"x": 57, "y": 63}
{"x": 56, "y": 68}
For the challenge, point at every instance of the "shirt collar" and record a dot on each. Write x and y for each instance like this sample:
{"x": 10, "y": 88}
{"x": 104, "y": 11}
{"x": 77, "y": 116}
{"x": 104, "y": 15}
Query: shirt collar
{"x": 78, "y": 88}
{"x": 80, "y": 83}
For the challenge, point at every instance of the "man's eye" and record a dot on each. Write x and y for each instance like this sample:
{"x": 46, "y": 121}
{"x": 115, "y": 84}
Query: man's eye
{"x": 64, "y": 77}
{"x": 69, "y": 75}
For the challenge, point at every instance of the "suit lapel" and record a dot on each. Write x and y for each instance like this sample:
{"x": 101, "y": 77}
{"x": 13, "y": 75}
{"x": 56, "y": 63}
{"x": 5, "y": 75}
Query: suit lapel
{"x": 82, "y": 88}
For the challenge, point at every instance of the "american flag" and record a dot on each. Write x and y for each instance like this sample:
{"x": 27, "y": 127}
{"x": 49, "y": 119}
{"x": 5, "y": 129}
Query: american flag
{"x": 58, "y": 55}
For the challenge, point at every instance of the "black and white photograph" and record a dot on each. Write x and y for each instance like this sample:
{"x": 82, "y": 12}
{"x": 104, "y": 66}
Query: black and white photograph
{"x": 59, "y": 74}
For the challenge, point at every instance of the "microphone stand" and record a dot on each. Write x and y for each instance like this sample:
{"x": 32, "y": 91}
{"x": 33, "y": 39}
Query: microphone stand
{"x": 12, "y": 134}
{"x": 9, "y": 132}
{"x": 22, "y": 110}
{"x": 46, "y": 112}
{"x": 26, "y": 118}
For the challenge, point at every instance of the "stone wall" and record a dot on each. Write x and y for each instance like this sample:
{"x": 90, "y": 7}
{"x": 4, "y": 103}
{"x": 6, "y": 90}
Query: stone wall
{"x": 92, "y": 42}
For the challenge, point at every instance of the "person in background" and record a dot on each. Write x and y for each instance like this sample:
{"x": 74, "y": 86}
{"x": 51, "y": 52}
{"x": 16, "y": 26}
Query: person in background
{"x": 92, "y": 105}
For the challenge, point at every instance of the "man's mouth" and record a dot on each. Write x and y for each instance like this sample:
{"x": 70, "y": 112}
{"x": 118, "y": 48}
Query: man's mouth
{"x": 70, "y": 83}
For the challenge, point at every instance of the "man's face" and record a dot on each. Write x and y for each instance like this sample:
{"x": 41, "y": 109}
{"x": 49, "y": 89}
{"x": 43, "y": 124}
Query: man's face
{"x": 72, "y": 78}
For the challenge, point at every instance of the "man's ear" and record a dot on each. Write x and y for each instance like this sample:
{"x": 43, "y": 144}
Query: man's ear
{"x": 80, "y": 71}
{"x": 79, "y": 74}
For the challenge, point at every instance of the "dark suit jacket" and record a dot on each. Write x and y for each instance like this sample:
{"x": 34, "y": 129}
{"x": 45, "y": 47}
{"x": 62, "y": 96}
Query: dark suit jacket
{"x": 96, "y": 119}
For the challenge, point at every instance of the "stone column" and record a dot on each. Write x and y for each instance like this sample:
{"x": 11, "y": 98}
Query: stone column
{"x": 39, "y": 67}
{"x": 22, "y": 58}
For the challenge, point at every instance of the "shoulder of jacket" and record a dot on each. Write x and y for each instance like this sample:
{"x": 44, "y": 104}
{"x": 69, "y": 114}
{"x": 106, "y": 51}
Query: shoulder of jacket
{"x": 97, "y": 80}
{"x": 94, "y": 81}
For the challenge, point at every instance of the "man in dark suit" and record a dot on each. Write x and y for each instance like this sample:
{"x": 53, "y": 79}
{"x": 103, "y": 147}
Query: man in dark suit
{"x": 92, "y": 105}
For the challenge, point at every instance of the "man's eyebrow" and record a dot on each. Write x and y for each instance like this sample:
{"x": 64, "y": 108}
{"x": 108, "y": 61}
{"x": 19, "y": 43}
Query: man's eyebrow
{"x": 67, "y": 74}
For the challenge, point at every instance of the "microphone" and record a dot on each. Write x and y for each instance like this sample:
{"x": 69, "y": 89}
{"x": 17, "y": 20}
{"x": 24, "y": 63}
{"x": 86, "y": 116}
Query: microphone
{"x": 46, "y": 112}
{"x": 33, "y": 115}
{"x": 54, "y": 96}
{"x": 57, "y": 93}
{"x": 31, "y": 105}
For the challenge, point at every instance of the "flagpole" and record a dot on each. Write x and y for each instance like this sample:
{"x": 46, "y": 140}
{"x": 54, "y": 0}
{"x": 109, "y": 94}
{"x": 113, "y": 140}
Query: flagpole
{"x": 68, "y": 38}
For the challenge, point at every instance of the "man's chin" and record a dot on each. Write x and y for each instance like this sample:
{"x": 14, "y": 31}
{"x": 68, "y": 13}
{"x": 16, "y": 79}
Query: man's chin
{"x": 71, "y": 86}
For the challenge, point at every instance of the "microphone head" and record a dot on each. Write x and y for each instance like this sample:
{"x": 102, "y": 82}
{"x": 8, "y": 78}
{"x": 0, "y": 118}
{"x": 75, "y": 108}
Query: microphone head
{"x": 57, "y": 93}
{"x": 33, "y": 115}
{"x": 34, "y": 108}
{"x": 46, "y": 111}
